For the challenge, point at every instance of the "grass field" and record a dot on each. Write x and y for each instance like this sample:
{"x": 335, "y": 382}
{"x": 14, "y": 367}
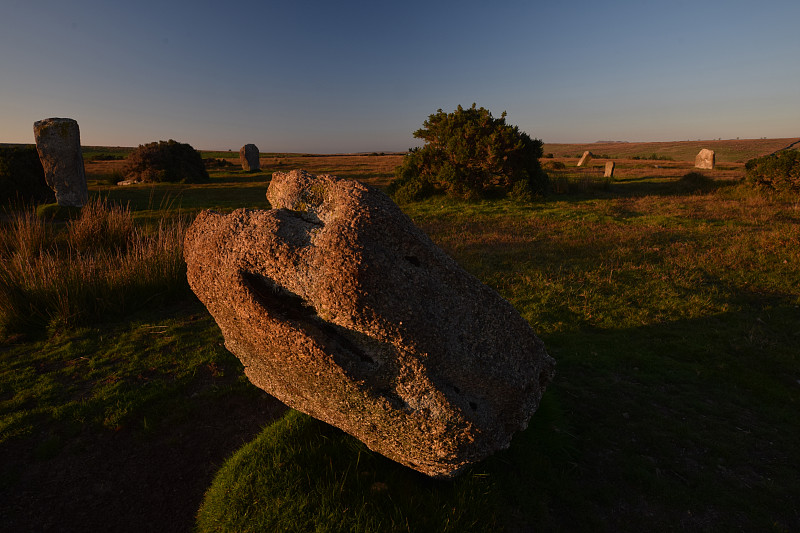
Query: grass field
{"x": 671, "y": 305}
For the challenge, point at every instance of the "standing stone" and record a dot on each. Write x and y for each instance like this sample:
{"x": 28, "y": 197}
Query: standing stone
{"x": 705, "y": 159}
{"x": 248, "y": 155}
{"x": 58, "y": 141}
{"x": 585, "y": 158}
{"x": 339, "y": 306}
{"x": 609, "y": 172}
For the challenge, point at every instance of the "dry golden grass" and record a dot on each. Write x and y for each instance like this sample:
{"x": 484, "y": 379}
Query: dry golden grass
{"x": 727, "y": 151}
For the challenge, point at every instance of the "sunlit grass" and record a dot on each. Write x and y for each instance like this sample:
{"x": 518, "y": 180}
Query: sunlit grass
{"x": 672, "y": 308}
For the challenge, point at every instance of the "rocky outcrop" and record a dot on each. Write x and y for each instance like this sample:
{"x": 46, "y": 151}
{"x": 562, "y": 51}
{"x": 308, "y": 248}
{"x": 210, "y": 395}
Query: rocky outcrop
{"x": 338, "y": 305}
{"x": 58, "y": 142}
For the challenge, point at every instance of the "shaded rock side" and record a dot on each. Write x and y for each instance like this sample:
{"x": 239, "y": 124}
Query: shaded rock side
{"x": 248, "y": 156}
{"x": 58, "y": 142}
{"x": 343, "y": 309}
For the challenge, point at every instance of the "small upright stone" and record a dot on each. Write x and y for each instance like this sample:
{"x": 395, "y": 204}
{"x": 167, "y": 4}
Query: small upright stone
{"x": 585, "y": 158}
{"x": 248, "y": 155}
{"x": 609, "y": 172}
{"x": 705, "y": 159}
{"x": 58, "y": 141}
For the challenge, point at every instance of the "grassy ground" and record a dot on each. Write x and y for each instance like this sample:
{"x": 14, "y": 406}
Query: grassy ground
{"x": 672, "y": 307}
{"x": 726, "y": 151}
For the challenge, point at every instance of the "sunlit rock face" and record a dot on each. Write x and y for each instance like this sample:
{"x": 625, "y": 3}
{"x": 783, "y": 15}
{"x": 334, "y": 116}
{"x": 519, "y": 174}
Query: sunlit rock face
{"x": 338, "y": 305}
{"x": 58, "y": 142}
{"x": 705, "y": 159}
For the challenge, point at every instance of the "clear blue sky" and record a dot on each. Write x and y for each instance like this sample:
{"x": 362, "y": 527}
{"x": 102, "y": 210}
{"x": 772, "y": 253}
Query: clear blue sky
{"x": 350, "y": 76}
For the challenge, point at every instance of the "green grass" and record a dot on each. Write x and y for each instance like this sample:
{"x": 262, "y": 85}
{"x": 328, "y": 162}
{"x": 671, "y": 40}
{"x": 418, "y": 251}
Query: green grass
{"x": 672, "y": 307}
{"x": 317, "y": 478}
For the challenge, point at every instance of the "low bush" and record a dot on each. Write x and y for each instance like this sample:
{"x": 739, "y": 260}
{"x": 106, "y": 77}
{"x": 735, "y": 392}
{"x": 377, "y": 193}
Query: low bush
{"x": 22, "y": 176}
{"x": 651, "y": 157}
{"x": 554, "y": 165}
{"x": 469, "y": 154}
{"x": 779, "y": 171}
{"x": 217, "y": 163}
{"x": 166, "y": 161}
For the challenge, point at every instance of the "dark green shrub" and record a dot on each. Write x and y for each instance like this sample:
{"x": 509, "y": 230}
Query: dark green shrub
{"x": 779, "y": 171}
{"x": 22, "y": 176}
{"x": 166, "y": 161}
{"x": 470, "y": 154}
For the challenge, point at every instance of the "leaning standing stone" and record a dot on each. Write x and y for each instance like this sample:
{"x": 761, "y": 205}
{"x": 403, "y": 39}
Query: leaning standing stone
{"x": 585, "y": 158}
{"x": 705, "y": 159}
{"x": 248, "y": 155}
{"x": 609, "y": 171}
{"x": 58, "y": 142}
{"x": 339, "y": 306}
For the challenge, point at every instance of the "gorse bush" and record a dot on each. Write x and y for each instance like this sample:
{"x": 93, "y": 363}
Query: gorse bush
{"x": 779, "y": 171}
{"x": 166, "y": 161}
{"x": 470, "y": 154}
{"x": 22, "y": 176}
{"x": 98, "y": 266}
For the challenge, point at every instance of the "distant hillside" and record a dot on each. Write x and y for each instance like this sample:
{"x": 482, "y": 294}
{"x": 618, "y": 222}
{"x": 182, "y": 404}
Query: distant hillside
{"x": 728, "y": 151}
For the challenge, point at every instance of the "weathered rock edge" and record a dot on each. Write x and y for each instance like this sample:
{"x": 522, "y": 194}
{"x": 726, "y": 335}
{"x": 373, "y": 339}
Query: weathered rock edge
{"x": 339, "y": 306}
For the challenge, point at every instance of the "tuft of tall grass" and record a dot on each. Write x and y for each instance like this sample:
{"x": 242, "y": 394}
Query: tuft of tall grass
{"x": 99, "y": 265}
{"x": 101, "y": 227}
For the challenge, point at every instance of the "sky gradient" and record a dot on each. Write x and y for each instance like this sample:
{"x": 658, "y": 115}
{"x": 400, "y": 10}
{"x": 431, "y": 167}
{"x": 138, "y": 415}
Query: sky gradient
{"x": 352, "y": 76}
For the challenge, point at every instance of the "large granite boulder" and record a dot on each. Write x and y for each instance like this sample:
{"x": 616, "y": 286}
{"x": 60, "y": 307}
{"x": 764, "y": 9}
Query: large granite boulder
{"x": 248, "y": 157}
{"x": 58, "y": 141}
{"x": 338, "y": 305}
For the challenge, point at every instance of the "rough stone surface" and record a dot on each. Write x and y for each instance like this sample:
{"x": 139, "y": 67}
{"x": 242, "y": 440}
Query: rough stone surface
{"x": 58, "y": 141}
{"x": 585, "y": 158}
{"x": 343, "y": 309}
{"x": 705, "y": 159}
{"x": 248, "y": 155}
{"x": 609, "y": 171}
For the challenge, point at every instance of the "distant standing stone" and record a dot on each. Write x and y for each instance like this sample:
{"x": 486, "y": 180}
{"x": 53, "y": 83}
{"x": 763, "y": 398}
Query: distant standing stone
{"x": 248, "y": 155}
{"x": 609, "y": 172}
{"x": 58, "y": 141}
{"x": 705, "y": 159}
{"x": 585, "y": 158}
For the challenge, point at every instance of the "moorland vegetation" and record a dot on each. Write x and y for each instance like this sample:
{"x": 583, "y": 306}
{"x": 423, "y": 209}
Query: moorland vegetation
{"x": 779, "y": 171}
{"x": 668, "y": 296}
{"x": 470, "y": 154}
{"x": 166, "y": 161}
